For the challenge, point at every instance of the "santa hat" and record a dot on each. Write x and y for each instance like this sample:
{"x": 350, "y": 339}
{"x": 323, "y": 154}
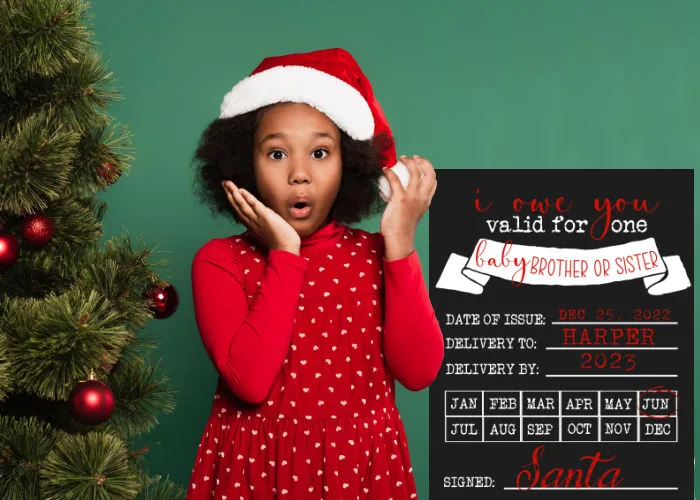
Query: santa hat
{"x": 329, "y": 80}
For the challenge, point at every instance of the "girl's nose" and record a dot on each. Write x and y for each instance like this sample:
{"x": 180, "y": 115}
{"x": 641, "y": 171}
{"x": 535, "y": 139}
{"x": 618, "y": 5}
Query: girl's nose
{"x": 299, "y": 172}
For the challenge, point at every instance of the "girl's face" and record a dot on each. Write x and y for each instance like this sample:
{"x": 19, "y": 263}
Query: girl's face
{"x": 297, "y": 162}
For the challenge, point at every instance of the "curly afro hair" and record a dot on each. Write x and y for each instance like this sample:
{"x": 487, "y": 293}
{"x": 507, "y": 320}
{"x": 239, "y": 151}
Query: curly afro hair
{"x": 225, "y": 151}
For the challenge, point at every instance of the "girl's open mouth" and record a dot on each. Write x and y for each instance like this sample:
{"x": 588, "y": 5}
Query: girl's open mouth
{"x": 300, "y": 209}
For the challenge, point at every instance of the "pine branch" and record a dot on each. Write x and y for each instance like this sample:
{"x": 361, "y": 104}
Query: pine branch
{"x": 5, "y": 375}
{"x": 40, "y": 160}
{"x": 161, "y": 488}
{"x": 95, "y": 466}
{"x": 36, "y": 161}
{"x": 104, "y": 153}
{"x": 123, "y": 272}
{"x": 24, "y": 444}
{"x": 54, "y": 343}
{"x": 154, "y": 486}
{"x": 40, "y": 38}
{"x": 139, "y": 398}
{"x": 65, "y": 335}
{"x": 56, "y": 265}
{"x": 75, "y": 97}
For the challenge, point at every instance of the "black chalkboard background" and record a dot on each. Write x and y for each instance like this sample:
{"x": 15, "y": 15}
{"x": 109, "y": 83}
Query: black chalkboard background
{"x": 455, "y": 227}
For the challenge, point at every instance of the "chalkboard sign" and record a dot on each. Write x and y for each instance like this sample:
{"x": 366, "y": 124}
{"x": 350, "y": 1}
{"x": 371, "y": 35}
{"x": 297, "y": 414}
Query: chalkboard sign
{"x": 566, "y": 302}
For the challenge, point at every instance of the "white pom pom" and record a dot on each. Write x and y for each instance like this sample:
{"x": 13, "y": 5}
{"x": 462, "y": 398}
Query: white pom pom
{"x": 385, "y": 188}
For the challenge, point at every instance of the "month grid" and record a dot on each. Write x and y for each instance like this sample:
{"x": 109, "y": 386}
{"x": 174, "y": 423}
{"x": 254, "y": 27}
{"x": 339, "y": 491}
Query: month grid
{"x": 561, "y": 416}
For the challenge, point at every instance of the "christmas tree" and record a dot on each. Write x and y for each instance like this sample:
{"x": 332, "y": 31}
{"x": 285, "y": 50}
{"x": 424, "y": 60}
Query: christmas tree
{"x": 78, "y": 387}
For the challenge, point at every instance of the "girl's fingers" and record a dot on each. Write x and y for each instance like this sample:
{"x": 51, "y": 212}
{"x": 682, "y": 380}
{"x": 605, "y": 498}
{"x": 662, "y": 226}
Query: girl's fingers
{"x": 414, "y": 173}
{"x": 394, "y": 182}
{"x": 243, "y": 217}
{"x": 236, "y": 202}
{"x": 262, "y": 211}
{"x": 433, "y": 188}
{"x": 229, "y": 196}
{"x": 428, "y": 173}
{"x": 252, "y": 202}
{"x": 244, "y": 206}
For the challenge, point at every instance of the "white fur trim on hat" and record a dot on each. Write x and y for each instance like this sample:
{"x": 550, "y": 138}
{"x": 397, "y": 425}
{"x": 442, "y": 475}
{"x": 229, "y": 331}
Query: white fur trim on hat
{"x": 341, "y": 102}
{"x": 385, "y": 188}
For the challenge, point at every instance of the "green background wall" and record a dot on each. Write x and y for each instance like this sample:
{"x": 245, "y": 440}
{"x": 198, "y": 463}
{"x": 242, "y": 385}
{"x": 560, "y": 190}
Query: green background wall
{"x": 467, "y": 84}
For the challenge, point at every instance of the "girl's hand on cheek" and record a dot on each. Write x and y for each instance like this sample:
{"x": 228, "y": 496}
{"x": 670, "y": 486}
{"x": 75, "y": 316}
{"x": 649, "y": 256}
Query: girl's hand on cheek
{"x": 266, "y": 225}
{"x": 406, "y": 206}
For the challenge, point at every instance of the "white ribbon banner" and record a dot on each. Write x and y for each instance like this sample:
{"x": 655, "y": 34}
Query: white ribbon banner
{"x": 534, "y": 265}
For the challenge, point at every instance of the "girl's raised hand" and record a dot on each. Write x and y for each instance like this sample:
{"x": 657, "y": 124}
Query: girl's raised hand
{"x": 266, "y": 225}
{"x": 406, "y": 206}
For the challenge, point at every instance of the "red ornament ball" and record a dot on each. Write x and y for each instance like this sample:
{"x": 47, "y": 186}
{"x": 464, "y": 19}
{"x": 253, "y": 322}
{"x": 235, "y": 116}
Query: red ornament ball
{"x": 9, "y": 250}
{"x": 165, "y": 300}
{"x": 37, "y": 230}
{"x": 91, "y": 402}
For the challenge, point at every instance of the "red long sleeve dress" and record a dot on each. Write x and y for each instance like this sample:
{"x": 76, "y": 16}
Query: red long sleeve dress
{"x": 308, "y": 348}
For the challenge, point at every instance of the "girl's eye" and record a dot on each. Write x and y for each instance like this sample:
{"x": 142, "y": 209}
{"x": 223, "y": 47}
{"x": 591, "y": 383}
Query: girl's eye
{"x": 320, "y": 153}
{"x": 276, "y": 154}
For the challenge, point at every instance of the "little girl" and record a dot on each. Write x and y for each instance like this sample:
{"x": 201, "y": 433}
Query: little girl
{"x": 307, "y": 320}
